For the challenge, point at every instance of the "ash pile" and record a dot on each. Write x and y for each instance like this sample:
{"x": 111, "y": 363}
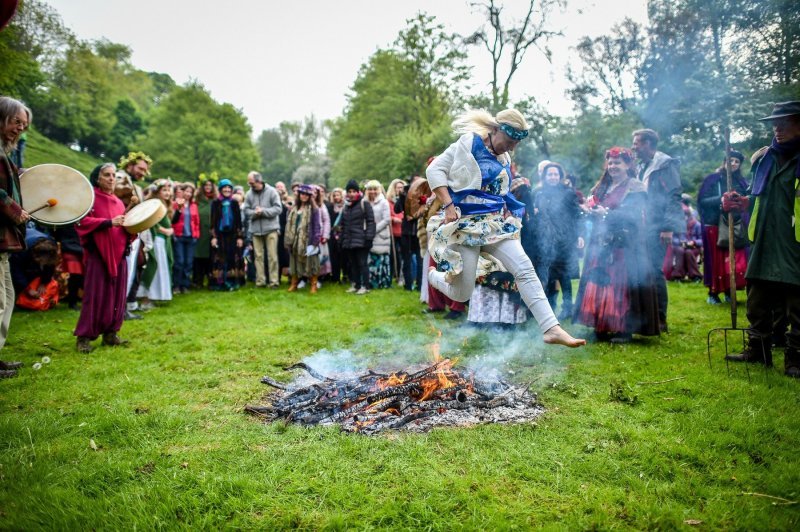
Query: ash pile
{"x": 372, "y": 402}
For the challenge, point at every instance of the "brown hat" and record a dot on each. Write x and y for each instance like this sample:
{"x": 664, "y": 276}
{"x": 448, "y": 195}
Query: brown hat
{"x": 782, "y": 110}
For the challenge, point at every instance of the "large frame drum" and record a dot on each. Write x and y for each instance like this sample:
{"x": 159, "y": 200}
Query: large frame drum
{"x": 144, "y": 216}
{"x": 73, "y": 193}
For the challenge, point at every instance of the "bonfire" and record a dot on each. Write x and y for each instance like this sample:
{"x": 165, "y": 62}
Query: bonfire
{"x": 440, "y": 394}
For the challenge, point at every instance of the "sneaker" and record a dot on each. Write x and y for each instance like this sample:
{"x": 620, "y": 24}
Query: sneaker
{"x": 713, "y": 300}
{"x": 146, "y": 306}
{"x": 361, "y": 291}
{"x": 7, "y": 373}
{"x": 131, "y": 316}
{"x": 351, "y": 290}
{"x": 301, "y": 284}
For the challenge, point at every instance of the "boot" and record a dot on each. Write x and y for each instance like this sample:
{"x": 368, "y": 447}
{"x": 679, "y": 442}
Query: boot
{"x": 112, "y": 339}
{"x": 293, "y": 286}
{"x": 791, "y": 362}
{"x": 756, "y": 351}
{"x": 84, "y": 345}
{"x": 313, "y": 284}
{"x": 9, "y": 365}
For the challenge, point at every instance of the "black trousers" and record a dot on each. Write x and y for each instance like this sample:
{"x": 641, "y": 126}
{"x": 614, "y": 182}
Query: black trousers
{"x": 359, "y": 266}
{"x": 764, "y": 299}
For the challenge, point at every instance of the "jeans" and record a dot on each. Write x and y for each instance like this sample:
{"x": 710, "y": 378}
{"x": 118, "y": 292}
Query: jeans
{"x": 359, "y": 266}
{"x": 511, "y": 255}
{"x": 184, "y": 261}
{"x": 409, "y": 248}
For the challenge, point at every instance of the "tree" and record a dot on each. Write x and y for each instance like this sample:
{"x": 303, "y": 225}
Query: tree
{"x": 400, "y": 107}
{"x": 610, "y": 72}
{"x": 129, "y": 124}
{"x": 190, "y": 134}
{"x": 510, "y": 44}
{"x": 291, "y": 145}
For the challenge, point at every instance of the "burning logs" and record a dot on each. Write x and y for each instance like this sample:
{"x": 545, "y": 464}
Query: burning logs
{"x": 372, "y": 402}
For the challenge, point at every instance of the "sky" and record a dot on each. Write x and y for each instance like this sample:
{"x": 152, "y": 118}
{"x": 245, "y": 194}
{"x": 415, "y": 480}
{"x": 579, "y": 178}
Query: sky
{"x": 283, "y": 61}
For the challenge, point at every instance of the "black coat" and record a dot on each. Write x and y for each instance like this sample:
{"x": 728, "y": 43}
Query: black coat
{"x": 358, "y": 226}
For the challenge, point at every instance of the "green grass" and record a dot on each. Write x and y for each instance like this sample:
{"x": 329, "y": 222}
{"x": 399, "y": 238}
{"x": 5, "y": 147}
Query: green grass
{"x": 40, "y": 150}
{"x": 174, "y": 449}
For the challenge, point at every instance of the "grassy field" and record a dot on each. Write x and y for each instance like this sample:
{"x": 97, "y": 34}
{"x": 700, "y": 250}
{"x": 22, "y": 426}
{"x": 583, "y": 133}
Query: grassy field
{"x": 152, "y": 435}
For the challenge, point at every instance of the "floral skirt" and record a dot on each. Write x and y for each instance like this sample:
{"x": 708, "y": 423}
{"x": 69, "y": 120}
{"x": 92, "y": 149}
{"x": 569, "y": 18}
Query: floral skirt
{"x": 380, "y": 270}
{"x": 474, "y": 230}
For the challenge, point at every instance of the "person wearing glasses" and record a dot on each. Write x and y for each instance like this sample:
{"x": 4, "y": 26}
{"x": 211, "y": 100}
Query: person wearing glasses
{"x": 471, "y": 179}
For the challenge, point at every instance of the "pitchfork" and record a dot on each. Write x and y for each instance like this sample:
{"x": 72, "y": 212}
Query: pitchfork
{"x": 733, "y": 329}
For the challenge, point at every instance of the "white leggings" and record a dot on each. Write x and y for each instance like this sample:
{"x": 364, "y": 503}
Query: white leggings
{"x": 510, "y": 253}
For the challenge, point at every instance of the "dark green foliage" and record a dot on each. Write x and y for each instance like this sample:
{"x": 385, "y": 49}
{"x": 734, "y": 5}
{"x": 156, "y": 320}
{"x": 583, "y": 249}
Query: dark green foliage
{"x": 189, "y": 133}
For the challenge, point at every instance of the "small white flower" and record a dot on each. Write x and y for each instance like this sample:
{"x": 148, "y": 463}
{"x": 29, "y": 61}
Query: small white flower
{"x": 45, "y": 360}
{"x": 37, "y": 366}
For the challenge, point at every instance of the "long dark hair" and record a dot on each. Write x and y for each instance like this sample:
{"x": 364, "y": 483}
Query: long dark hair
{"x": 617, "y": 152}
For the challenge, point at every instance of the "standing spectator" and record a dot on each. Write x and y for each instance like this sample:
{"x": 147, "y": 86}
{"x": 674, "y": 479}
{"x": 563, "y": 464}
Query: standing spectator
{"x": 156, "y": 283}
{"x": 303, "y": 232}
{"x": 132, "y": 170}
{"x": 380, "y": 267}
{"x": 15, "y": 118}
{"x": 395, "y": 190}
{"x": 283, "y": 254}
{"x": 661, "y": 177}
{"x": 321, "y": 205}
{"x": 617, "y": 294}
{"x": 773, "y": 271}
{"x": 105, "y": 243}
{"x": 716, "y": 273}
{"x": 227, "y": 241}
{"x": 683, "y": 255}
{"x": 358, "y": 232}
{"x": 409, "y": 242}
{"x": 186, "y": 223}
{"x": 204, "y": 196}
{"x": 558, "y": 221}
{"x": 335, "y": 208}
{"x": 262, "y": 206}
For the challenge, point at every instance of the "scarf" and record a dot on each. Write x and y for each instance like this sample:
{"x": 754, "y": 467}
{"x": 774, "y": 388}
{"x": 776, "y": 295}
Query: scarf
{"x": 226, "y": 220}
{"x": 359, "y": 196}
{"x": 109, "y": 242}
{"x": 786, "y": 150}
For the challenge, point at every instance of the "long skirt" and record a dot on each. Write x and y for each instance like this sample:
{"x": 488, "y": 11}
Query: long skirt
{"x": 160, "y": 288}
{"x": 380, "y": 271}
{"x": 103, "y": 297}
{"x": 717, "y": 269}
{"x": 495, "y": 306}
{"x": 325, "y": 266}
{"x": 227, "y": 269}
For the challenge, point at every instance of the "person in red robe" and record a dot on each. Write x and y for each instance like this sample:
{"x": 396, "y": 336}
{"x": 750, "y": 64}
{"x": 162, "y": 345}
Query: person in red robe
{"x": 106, "y": 243}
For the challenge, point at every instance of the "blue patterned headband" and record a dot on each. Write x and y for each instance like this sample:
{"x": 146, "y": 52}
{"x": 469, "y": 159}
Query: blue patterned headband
{"x": 512, "y": 132}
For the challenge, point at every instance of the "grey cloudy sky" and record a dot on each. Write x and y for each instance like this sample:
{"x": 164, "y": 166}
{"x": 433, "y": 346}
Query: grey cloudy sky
{"x": 286, "y": 60}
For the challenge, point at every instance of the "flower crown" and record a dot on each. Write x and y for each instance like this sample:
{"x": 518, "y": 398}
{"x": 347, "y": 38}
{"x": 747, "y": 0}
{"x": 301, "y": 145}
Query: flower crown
{"x": 618, "y": 152}
{"x": 134, "y": 156}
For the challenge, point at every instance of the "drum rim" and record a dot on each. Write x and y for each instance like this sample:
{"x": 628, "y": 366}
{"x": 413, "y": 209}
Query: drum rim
{"x": 73, "y": 220}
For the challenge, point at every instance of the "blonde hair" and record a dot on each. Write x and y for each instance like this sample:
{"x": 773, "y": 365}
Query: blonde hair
{"x": 391, "y": 195}
{"x": 374, "y": 183}
{"x": 481, "y": 122}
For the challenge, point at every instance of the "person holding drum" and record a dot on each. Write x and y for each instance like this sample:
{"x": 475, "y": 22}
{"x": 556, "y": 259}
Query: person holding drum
{"x": 15, "y": 118}
{"x": 133, "y": 168}
{"x": 471, "y": 180}
{"x": 106, "y": 244}
{"x": 156, "y": 281}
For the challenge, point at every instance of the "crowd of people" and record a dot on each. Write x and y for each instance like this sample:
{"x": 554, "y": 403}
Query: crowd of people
{"x": 473, "y": 237}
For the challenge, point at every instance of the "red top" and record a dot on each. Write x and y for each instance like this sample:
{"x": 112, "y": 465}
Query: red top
{"x": 94, "y": 232}
{"x": 397, "y": 221}
{"x": 194, "y": 217}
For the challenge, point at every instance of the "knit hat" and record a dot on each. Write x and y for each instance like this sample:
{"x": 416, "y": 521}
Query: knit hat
{"x": 738, "y": 155}
{"x": 352, "y": 185}
{"x": 225, "y": 183}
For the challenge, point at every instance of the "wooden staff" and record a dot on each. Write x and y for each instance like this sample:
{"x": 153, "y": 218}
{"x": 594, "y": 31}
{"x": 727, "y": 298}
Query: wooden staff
{"x": 731, "y": 243}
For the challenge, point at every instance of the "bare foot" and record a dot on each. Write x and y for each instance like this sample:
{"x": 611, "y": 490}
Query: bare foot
{"x": 557, "y": 335}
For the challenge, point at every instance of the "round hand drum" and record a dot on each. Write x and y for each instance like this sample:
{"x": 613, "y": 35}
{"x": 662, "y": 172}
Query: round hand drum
{"x": 144, "y": 216}
{"x": 418, "y": 188}
{"x": 72, "y": 191}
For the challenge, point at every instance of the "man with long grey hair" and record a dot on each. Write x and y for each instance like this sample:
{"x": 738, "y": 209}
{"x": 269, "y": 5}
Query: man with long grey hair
{"x": 15, "y": 118}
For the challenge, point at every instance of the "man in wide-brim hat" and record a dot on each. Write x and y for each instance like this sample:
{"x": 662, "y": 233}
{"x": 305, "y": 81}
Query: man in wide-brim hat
{"x": 773, "y": 272}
